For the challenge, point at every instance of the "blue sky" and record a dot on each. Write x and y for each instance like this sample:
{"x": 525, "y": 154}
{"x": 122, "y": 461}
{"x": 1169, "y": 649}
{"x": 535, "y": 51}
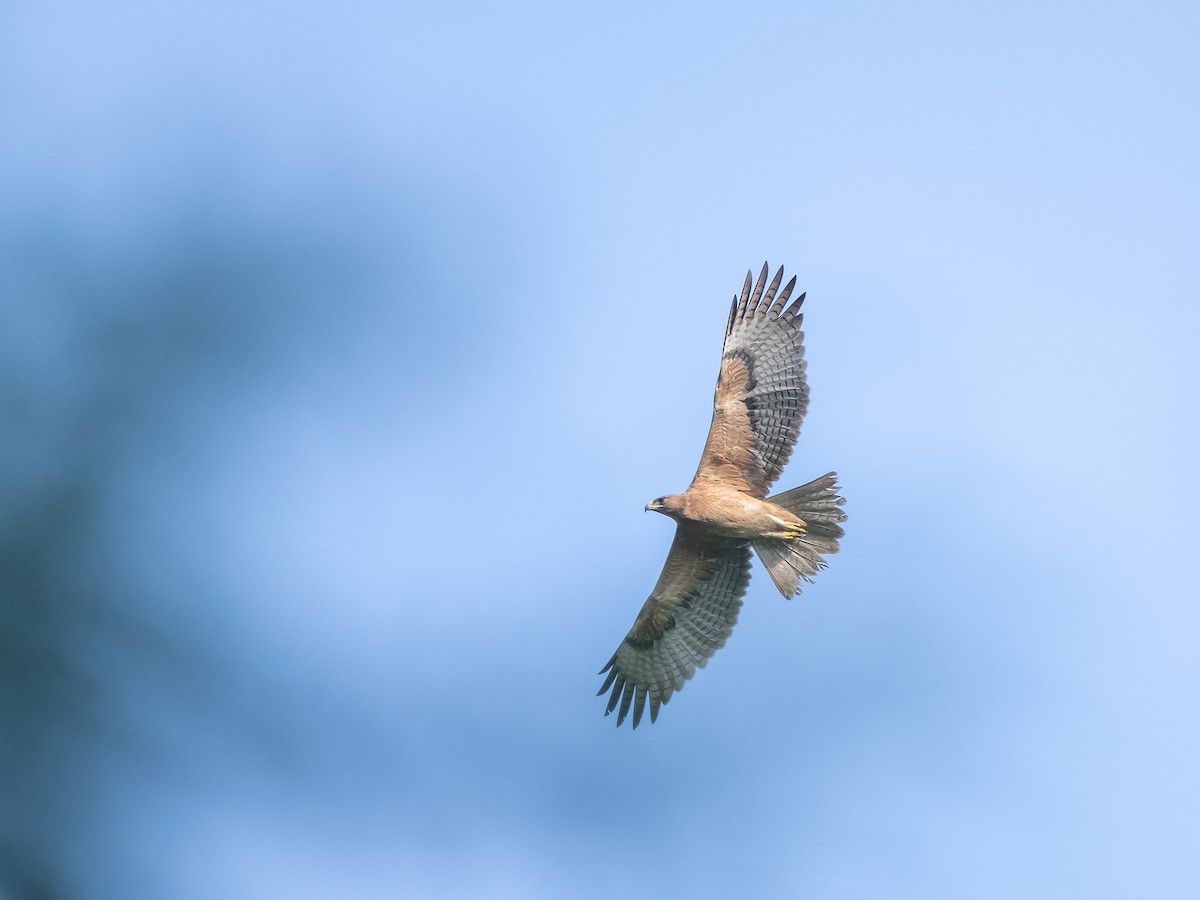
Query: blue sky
{"x": 345, "y": 345}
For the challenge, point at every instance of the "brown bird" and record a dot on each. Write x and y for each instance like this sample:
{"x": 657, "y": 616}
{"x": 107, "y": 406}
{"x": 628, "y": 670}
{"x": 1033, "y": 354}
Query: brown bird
{"x": 760, "y": 401}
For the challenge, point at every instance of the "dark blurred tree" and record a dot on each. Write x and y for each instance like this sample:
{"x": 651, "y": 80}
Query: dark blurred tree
{"x": 121, "y": 338}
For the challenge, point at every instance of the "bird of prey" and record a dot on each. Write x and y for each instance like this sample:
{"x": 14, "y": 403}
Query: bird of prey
{"x": 760, "y": 401}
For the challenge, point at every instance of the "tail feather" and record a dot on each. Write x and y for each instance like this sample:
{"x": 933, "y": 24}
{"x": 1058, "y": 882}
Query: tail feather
{"x": 791, "y": 561}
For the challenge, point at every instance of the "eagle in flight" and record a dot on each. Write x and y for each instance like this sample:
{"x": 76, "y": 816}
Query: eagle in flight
{"x": 760, "y": 401}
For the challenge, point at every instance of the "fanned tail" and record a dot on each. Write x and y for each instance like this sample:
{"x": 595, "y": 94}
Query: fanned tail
{"x": 790, "y": 561}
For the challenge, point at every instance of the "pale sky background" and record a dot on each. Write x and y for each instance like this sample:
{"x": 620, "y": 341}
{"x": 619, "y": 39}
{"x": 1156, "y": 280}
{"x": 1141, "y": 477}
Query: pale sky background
{"x": 344, "y": 344}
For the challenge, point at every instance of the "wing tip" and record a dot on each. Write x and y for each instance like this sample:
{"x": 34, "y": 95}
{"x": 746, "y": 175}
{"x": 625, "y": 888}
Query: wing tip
{"x": 773, "y": 308}
{"x": 757, "y": 296}
{"x": 741, "y": 304}
{"x": 758, "y": 288}
{"x": 794, "y": 309}
{"x": 626, "y": 699}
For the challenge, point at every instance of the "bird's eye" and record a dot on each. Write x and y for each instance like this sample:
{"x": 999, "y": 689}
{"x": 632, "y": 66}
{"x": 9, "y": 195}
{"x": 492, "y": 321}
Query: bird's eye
{"x": 660, "y": 500}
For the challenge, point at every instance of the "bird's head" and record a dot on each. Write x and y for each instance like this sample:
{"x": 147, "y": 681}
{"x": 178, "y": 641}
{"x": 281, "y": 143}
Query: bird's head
{"x": 668, "y": 505}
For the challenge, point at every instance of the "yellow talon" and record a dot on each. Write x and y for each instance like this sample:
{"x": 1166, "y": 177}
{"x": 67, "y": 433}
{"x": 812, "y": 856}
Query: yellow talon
{"x": 793, "y": 530}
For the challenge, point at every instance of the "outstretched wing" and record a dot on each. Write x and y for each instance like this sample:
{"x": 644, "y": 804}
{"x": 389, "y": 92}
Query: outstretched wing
{"x": 761, "y": 394}
{"x": 687, "y": 618}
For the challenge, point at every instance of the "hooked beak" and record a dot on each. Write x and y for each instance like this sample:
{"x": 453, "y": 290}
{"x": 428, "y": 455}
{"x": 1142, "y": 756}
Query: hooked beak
{"x": 654, "y": 506}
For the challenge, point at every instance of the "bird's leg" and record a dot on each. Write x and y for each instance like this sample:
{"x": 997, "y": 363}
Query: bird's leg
{"x": 789, "y": 531}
